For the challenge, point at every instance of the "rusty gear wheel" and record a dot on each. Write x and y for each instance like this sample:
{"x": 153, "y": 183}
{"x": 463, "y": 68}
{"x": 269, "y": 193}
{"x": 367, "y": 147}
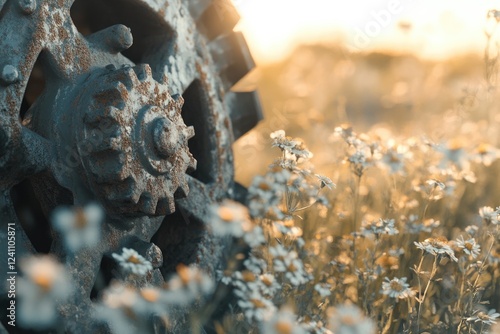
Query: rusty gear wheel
{"x": 117, "y": 102}
{"x": 138, "y": 163}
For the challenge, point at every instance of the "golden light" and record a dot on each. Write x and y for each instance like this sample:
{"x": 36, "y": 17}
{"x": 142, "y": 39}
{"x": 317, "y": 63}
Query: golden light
{"x": 432, "y": 29}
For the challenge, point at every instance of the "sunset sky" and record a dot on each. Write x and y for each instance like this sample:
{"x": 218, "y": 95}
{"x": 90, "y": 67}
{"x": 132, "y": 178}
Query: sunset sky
{"x": 432, "y": 29}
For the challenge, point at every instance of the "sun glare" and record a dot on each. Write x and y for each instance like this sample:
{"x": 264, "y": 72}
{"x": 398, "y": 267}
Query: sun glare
{"x": 432, "y": 29}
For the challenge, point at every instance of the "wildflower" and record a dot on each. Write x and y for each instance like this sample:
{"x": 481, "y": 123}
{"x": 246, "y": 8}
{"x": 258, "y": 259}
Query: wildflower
{"x": 44, "y": 286}
{"x": 265, "y": 196}
{"x": 224, "y": 276}
{"x": 282, "y": 322}
{"x": 230, "y": 218}
{"x": 489, "y": 215}
{"x": 254, "y": 237}
{"x": 454, "y": 152}
{"x": 268, "y": 284}
{"x": 348, "y": 319}
{"x": 295, "y": 147}
{"x": 485, "y": 154}
{"x": 255, "y": 264}
{"x": 345, "y": 131}
{"x": 132, "y": 262}
{"x": 485, "y": 318}
{"x": 388, "y": 262}
{"x": 300, "y": 151}
{"x": 394, "y": 159}
{"x": 493, "y": 13}
{"x": 378, "y": 227}
{"x": 433, "y": 183}
{"x": 323, "y": 289}
{"x": 282, "y": 141}
{"x": 437, "y": 246}
{"x": 80, "y": 227}
{"x": 290, "y": 264}
{"x": 188, "y": 284}
{"x": 397, "y": 288}
{"x": 325, "y": 181}
{"x": 255, "y": 306}
{"x": 127, "y": 310}
{"x": 415, "y": 226}
{"x": 469, "y": 247}
{"x": 471, "y": 230}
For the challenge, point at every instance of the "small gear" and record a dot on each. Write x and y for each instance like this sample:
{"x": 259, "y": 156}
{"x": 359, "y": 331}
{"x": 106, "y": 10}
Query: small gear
{"x": 133, "y": 141}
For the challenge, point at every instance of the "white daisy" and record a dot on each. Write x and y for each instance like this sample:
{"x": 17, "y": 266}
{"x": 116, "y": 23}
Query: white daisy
{"x": 489, "y": 318}
{"x": 489, "y": 215}
{"x": 44, "y": 286}
{"x": 348, "y": 319}
{"x": 437, "y": 246}
{"x": 283, "y": 322}
{"x": 132, "y": 262}
{"x": 80, "y": 227}
{"x": 469, "y": 247}
{"x": 230, "y": 219}
{"x": 323, "y": 289}
{"x": 397, "y": 288}
{"x": 256, "y": 307}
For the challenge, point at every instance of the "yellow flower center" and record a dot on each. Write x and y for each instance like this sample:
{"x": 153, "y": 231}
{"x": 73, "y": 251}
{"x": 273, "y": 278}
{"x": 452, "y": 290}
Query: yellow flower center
{"x": 226, "y": 214}
{"x": 43, "y": 281}
{"x": 348, "y": 320}
{"x": 248, "y": 276}
{"x": 267, "y": 281}
{"x": 184, "y": 273}
{"x": 257, "y": 303}
{"x": 134, "y": 259}
{"x": 455, "y": 144}
{"x": 396, "y": 286}
{"x": 468, "y": 246}
{"x": 150, "y": 295}
{"x": 283, "y": 327}
{"x": 483, "y": 148}
{"x": 264, "y": 186}
{"x": 80, "y": 219}
{"x": 292, "y": 268}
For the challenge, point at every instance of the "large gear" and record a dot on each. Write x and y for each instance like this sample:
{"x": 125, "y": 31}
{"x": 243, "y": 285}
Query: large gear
{"x": 137, "y": 163}
{"x": 82, "y": 121}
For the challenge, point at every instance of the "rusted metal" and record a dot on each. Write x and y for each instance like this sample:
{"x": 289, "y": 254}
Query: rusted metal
{"x": 125, "y": 103}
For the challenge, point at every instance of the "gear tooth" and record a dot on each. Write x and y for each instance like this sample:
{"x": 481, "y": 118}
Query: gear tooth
{"x": 192, "y": 163}
{"x": 182, "y": 191}
{"x": 165, "y": 206}
{"x": 121, "y": 87}
{"x": 143, "y": 71}
{"x": 189, "y": 132}
{"x": 125, "y": 192}
{"x": 113, "y": 113}
{"x": 107, "y": 166}
{"x": 125, "y": 76}
{"x": 96, "y": 117}
{"x": 164, "y": 79}
{"x": 147, "y": 204}
{"x": 113, "y": 143}
{"x": 108, "y": 97}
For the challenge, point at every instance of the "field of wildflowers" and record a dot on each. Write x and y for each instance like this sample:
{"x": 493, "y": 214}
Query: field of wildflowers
{"x": 401, "y": 234}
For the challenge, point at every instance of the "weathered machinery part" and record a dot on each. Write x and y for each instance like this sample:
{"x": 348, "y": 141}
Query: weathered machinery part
{"x": 97, "y": 98}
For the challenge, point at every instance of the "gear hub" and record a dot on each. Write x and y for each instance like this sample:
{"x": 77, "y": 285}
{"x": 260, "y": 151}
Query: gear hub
{"x": 133, "y": 141}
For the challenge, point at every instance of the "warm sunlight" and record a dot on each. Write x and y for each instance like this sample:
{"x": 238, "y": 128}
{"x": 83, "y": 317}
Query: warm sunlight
{"x": 433, "y": 29}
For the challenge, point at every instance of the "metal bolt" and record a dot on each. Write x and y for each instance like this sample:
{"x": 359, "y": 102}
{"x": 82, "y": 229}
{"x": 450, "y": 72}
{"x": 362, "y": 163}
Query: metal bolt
{"x": 9, "y": 74}
{"x": 27, "y": 6}
{"x": 165, "y": 137}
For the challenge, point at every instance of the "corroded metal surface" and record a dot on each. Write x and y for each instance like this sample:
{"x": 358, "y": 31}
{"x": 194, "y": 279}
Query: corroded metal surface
{"x": 125, "y": 103}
